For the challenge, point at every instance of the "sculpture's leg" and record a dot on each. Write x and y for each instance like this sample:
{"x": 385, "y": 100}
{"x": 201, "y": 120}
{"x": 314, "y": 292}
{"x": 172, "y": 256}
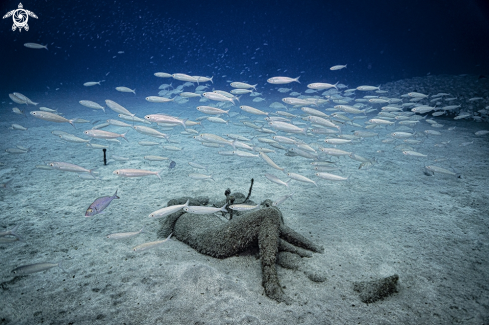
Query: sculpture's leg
{"x": 268, "y": 242}
{"x": 297, "y": 239}
{"x": 286, "y": 247}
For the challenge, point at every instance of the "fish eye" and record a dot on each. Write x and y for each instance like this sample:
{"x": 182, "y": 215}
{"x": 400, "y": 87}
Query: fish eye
{"x": 89, "y": 210}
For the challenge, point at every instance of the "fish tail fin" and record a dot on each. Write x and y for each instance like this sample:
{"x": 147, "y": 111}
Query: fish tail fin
{"x": 168, "y": 136}
{"x": 92, "y": 170}
{"x": 13, "y": 232}
{"x": 19, "y": 238}
{"x": 159, "y": 173}
{"x": 183, "y": 123}
{"x": 6, "y": 185}
{"x": 123, "y": 135}
{"x": 186, "y": 203}
{"x": 297, "y": 79}
{"x": 115, "y": 194}
{"x": 72, "y": 122}
{"x": 61, "y": 267}
{"x": 223, "y": 208}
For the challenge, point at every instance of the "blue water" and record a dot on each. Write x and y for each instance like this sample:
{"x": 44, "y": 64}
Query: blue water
{"x": 390, "y": 216}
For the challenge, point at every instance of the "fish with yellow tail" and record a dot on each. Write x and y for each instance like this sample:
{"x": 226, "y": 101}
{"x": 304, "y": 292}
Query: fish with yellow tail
{"x": 135, "y": 173}
{"x": 152, "y": 244}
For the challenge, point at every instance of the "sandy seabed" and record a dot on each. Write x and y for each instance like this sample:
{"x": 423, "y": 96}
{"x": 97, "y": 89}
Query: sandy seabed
{"x": 433, "y": 231}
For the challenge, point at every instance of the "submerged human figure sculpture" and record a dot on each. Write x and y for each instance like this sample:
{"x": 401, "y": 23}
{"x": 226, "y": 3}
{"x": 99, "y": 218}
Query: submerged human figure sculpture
{"x": 263, "y": 228}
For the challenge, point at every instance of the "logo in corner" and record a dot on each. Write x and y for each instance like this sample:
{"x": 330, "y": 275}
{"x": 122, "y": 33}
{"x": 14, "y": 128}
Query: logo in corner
{"x": 20, "y": 17}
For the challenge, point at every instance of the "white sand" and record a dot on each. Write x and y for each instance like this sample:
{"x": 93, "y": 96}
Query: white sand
{"x": 390, "y": 219}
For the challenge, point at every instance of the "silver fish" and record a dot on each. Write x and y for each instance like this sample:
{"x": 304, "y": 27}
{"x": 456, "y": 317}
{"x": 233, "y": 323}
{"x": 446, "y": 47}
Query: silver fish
{"x": 435, "y": 169}
{"x": 301, "y": 178}
{"x": 149, "y": 245}
{"x": 158, "y": 99}
{"x": 243, "y": 207}
{"x": 217, "y": 97}
{"x": 282, "y": 80}
{"x": 168, "y": 210}
{"x": 126, "y": 90}
{"x": 204, "y": 210}
{"x": 282, "y": 199}
{"x": 124, "y": 235}
{"x": 38, "y": 267}
{"x": 47, "y": 116}
{"x": 135, "y": 173}
{"x": 184, "y": 77}
{"x": 117, "y": 108}
{"x": 90, "y": 104}
{"x": 100, "y": 134}
{"x": 92, "y": 83}
{"x": 276, "y": 180}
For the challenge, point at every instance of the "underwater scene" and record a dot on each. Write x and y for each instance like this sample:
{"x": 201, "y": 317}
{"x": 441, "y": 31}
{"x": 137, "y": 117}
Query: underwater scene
{"x": 257, "y": 162}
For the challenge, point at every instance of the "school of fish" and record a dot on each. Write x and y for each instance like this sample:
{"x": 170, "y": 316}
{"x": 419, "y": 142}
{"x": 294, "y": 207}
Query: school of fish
{"x": 303, "y": 138}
